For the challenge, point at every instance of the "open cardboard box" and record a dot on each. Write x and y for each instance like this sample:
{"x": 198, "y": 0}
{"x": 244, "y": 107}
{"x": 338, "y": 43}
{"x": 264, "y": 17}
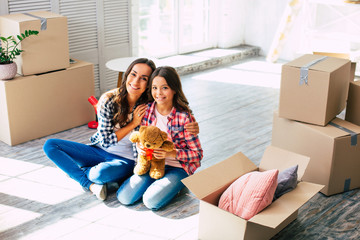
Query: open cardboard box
{"x": 209, "y": 184}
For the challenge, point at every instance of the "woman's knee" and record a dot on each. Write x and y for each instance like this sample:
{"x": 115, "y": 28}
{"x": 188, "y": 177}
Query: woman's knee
{"x": 50, "y": 145}
{"x": 107, "y": 172}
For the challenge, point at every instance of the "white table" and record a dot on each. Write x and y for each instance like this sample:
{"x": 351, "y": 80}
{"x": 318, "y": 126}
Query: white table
{"x": 121, "y": 64}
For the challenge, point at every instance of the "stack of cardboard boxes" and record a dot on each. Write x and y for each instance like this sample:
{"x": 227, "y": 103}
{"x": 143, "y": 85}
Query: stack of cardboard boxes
{"x": 49, "y": 94}
{"x": 314, "y": 90}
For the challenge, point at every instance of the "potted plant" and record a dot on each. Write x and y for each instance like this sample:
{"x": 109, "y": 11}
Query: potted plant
{"x": 9, "y": 50}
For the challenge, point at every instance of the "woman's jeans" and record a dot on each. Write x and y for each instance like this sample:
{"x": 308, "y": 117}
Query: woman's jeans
{"x": 155, "y": 193}
{"x": 88, "y": 164}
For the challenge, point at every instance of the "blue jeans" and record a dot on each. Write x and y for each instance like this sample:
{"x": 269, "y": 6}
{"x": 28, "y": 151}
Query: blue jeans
{"x": 88, "y": 164}
{"x": 155, "y": 193}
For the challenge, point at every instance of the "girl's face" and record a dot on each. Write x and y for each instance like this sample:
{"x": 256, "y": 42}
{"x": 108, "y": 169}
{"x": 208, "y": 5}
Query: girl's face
{"x": 138, "y": 78}
{"x": 161, "y": 92}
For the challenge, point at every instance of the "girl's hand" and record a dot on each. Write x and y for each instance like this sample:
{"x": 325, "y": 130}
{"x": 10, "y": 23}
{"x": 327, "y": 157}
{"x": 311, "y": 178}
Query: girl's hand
{"x": 159, "y": 153}
{"x": 139, "y": 114}
{"x": 140, "y": 149}
{"x": 192, "y": 128}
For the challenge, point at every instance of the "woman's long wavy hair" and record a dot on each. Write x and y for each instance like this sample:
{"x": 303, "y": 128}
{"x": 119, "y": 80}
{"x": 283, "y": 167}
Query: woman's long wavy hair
{"x": 121, "y": 104}
{"x": 173, "y": 80}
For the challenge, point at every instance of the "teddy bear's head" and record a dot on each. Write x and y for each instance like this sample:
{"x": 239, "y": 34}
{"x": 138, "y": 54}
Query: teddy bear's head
{"x": 152, "y": 137}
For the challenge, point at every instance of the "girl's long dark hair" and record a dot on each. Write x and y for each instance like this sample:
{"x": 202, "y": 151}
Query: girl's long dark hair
{"x": 121, "y": 104}
{"x": 173, "y": 80}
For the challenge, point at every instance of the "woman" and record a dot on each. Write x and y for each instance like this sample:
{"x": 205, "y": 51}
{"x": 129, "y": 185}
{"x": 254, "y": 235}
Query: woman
{"x": 110, "y": 155}
{"x": 170, "y": 112}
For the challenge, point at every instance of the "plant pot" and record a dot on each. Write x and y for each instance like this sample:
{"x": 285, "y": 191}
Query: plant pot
{"x": 8, "y": 71}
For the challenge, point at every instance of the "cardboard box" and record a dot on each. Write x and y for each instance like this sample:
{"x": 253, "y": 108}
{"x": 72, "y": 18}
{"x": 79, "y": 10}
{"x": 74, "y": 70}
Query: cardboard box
{"x": 209, "y": 184}
{"x": 323, "y": 96}
{"x": 333, "y": 151}
{"x": 352, "y": 113}
{"x": 39, "y": 105}
{"x": 344, "y": 56}
{"x": 49, "y": 50}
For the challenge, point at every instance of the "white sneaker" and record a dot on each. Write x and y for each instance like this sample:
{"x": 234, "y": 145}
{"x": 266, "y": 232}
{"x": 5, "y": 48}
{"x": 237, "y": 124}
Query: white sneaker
{"x": 99, "y": 190}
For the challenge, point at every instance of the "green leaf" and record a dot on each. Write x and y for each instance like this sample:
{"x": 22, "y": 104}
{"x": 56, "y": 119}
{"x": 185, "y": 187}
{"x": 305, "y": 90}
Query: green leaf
{"x": 23, "y": 35}
{"x": 26, "y": 33}
{"x": 3, "y": 39}
{"x": 19, "y": 37}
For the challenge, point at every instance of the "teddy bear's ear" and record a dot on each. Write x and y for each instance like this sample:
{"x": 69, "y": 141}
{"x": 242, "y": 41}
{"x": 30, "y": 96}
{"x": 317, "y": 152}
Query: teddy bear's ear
{"x": 134, "y": 136}
{"x": 142, "y": 128}
{"x": 163, "y": 135}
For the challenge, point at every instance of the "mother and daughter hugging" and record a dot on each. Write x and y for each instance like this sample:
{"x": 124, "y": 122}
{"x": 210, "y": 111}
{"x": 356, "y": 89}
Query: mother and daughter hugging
{"x": 147, "y": 96}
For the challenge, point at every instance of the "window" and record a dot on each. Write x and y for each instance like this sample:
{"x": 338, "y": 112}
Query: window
{"x": 169, "y": 27}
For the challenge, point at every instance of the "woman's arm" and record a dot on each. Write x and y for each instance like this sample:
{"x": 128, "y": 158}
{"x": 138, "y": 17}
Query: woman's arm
{"x": 107, "y": 135}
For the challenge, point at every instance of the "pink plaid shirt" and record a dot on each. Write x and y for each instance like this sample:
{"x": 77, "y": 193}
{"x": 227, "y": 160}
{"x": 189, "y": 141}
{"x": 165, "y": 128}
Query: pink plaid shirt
{"x": 188, "y": 147}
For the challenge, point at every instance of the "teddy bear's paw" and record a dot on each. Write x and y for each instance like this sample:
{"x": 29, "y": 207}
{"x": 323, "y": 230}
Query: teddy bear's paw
{"x": 140, "y": 170}
{"x": 157, "y": 174}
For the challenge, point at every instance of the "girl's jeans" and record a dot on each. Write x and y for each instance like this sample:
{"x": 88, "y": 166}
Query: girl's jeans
{"x": 88, "y": 164}
{"x": 155, "y": 193}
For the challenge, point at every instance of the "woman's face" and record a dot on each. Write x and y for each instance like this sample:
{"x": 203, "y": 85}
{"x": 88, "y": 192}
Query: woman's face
{"x": 138, "y": 78}
{"x": 161, "y": 92}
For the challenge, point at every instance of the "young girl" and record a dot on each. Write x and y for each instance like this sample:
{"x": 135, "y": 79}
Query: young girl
{"x": 170, "y": 112}
{"x": 110, "y": 155}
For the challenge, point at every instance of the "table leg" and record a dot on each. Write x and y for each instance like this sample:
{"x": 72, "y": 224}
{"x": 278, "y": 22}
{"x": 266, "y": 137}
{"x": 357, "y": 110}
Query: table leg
{"x": 119, "y": 79}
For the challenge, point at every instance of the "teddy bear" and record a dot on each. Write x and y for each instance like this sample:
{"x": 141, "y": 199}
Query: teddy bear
{"x": 151, "y": 137}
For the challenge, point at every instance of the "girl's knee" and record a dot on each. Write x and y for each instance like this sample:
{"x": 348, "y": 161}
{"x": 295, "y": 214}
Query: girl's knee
{"x": 124, "y": 198}
{"x": 153, "y": 202}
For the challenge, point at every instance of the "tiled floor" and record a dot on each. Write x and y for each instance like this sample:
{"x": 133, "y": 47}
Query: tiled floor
{"x": 43, "y": 187}
{"x": 38, "y": 201}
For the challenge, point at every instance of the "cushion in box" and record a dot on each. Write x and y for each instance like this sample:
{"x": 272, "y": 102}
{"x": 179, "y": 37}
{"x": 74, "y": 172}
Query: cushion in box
{"x": 250, "y": 193}
{"x": 287, "y": 181}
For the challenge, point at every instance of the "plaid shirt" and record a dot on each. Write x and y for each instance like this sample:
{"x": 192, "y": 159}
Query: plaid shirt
{"x": 105, "y": 134}
{"x": 188, "y": 147}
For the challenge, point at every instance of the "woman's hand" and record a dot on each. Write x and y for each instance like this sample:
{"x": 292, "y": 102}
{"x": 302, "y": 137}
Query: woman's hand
{"x": 139, "y": 114}
{"x": 192, "y": 128}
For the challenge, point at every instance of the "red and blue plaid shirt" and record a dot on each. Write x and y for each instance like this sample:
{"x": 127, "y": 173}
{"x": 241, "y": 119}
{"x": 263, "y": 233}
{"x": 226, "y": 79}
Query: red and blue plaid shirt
{"x": 188, "y": 148}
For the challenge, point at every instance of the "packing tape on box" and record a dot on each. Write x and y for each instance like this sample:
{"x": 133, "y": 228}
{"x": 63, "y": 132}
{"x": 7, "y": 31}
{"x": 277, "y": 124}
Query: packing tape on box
{"x": 304, "y": 70}
{"x": 43, "y": 21}
{"x": 352, "y": 134}
{"x": 347, "y": 184}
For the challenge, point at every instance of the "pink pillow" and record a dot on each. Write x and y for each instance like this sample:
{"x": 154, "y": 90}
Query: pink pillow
{"x": 250, "y": 193}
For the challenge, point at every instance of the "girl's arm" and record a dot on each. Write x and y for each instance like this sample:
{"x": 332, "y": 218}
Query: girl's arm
{"x": 137, "y": 117}
{"x": 188, "y": 148}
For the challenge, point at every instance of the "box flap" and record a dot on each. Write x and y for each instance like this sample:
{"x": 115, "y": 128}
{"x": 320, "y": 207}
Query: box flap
{"x": 287, "y": 204}
{"x": 281, "y": 159}
{"x": 208, "y": 180}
